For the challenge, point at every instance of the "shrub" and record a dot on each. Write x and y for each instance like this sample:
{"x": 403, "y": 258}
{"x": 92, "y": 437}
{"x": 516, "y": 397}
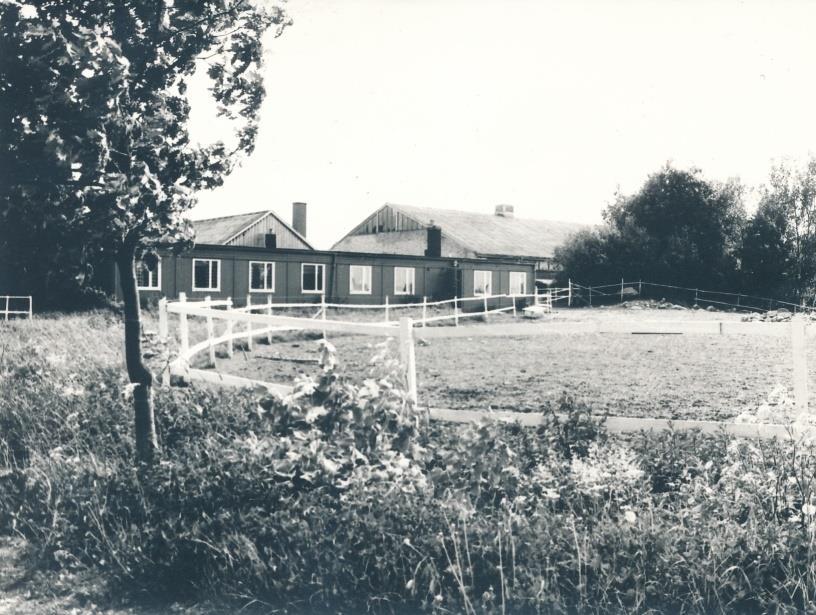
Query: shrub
{"x": 342, "y": 498}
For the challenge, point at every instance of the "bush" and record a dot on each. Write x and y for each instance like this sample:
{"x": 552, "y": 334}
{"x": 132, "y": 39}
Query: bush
{"x": 341, "y": 498}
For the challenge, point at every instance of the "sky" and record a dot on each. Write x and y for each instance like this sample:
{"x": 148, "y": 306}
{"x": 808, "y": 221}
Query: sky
{"x": 549, "y": 106}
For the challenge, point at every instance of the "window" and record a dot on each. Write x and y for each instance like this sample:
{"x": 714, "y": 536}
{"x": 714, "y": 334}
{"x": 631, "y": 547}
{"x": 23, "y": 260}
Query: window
{"x": 404, "y": 281}
{"x": 482, "y": 282}
{"x": 360, "y": 279}
{"x": 312, "y": 277}
{"x": 147, "y": 277}
{"x": 206, "y": 274}
{"x": 261, "y": 277}
{"x": 518, "y": 283}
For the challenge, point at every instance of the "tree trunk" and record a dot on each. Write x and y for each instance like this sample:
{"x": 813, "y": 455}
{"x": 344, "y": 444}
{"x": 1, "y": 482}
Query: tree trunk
{"x": 138, "y": 374}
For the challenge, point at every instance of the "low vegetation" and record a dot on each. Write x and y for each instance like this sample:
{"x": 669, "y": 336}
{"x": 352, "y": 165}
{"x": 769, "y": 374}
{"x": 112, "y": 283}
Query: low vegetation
{"x": 342, "y": 499}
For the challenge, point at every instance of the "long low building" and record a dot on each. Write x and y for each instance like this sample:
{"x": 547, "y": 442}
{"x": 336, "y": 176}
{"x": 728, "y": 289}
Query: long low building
{"x": 260, "y": 254}
{"x": 404, "y": 229}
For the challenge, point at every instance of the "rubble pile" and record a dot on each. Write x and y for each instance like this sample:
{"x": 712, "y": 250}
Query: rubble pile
{"x": 651, "y": 304}
{"x": 780, "y": 315}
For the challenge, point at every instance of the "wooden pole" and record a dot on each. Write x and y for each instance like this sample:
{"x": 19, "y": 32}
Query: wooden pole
{"x": 408, "y": 357}
{"x": 621, "y": 290}
{"x": 535, "y": 295}
{"x": 165, "y": 376}
{"x": 424, "y": 310}
{"x": 184, "y": 331}
{"x": 387, "y": 311}
{"x": 7, "y": 307}
{"x": 640, "y": 288}
{"x": 569, "y": 292}
{"x": 210, "y": 333}
{"x": 230, "y": 328}
{"x": 30, "y": 308}
{"x": 513, "y": 299}
{"x": 590, "y": 296}
{"x": 456, "y": 311}
{"x": 800, "y": 374}
{"x": 323, "y": 309}
{"x": 269, "y": 313}
{"x": 249, "y": 323}
{"x": 163, "y": 319}
{"x": 484, "y": 301}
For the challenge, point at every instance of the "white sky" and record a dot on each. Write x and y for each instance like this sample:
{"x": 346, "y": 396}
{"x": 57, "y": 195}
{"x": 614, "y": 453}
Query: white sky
{"x": 549, "y": 106}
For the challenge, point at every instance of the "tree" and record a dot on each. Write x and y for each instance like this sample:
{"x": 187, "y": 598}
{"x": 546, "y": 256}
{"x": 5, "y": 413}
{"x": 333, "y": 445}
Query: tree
{"x": 767, "y": 265}
{"x": 95, "y": 131}
{"x": 780, "y": 249}
{"x": 677, "y": 229}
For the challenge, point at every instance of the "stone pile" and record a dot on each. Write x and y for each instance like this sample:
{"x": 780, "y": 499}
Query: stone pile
{"x": 780, "y": 315}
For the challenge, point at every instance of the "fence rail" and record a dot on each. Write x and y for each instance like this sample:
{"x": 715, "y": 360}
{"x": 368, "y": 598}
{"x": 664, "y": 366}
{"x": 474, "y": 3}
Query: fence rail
{"x": 7, "y": 311}
{"x": 404, "y": 329}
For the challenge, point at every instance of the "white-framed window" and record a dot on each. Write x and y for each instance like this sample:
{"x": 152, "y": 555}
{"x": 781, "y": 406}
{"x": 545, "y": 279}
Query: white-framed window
{"x": 482, "y": 282}
{"x": 404, "y": 281}
{"x": 261, "y": 277}
{"x": 518, "y": 283}
{"x": 147, "y": 277}
{"x": 312, "y": 277}
{"x": 360, "y": 279}
{"x": 206, "y": 274}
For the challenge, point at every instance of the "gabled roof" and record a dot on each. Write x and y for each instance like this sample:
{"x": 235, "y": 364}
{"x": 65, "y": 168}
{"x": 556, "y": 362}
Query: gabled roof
{"x": 492, "y": 235}
{"x": 220, "y": 231}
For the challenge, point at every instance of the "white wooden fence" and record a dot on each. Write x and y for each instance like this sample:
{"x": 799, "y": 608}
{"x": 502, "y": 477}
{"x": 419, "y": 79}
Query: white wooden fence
{"x": 22, "y": 311}
{"x": 797, "y": 330}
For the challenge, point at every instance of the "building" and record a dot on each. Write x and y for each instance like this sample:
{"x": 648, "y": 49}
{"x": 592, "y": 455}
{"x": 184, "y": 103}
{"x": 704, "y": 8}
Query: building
{"x": 402, "y": 229}
{"x": 260, "y": 255}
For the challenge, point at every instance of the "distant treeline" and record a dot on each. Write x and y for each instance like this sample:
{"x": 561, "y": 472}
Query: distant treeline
{"x": 683, "y": 229}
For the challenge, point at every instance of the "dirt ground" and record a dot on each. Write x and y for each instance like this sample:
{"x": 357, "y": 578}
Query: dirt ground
{"x": 662, "y": 376}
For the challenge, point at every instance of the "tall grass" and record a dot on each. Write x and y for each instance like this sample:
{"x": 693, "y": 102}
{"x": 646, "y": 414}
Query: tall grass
{"x": 342, "y": 499}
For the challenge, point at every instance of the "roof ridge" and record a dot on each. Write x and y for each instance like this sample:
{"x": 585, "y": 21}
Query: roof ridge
{"x": 247, "y": 213}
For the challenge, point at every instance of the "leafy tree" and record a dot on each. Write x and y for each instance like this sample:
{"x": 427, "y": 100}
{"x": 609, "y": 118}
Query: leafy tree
{"x": 677, "y": 229}
{"x": 95, "y": 132}
{"x": 780, "y": 251}
{"x": 766, "y": 261}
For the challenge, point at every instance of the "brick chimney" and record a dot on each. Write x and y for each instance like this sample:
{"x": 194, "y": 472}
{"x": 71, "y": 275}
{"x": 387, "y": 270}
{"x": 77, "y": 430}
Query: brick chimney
{"x": 434, "y": 241}
{"x": 299, "y": 218}
{"x": 505, "y": 211}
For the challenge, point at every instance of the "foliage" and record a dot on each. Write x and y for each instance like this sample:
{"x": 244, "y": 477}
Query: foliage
{"x": 96, "y": 150}
{"x": 779, "y": 248}
{"x": 678, "y": 228}
{"x": 341, "y": 498}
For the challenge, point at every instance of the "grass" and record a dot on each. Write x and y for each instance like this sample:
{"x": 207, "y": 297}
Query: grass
{"x": 340, "y": 500}
{"x": 679, "y": 377}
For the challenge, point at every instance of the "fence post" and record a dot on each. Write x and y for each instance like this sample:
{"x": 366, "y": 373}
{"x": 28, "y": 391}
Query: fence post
{"x": 210, "y": 332}
{"x": 249, "y": 322}
{"x": 424, "y": 310}
{"x": 569, "y": 292}
{"x": 408, "y": 356}
{"x": 230, "y": 326}
{"x": 7, "y": 307}
{"x": 800, "y": 374}
{"x": 621, "y": 290}
{"x": 513, "y": 299}
{"x": 696, "y": 292}
{"x": 456, "y": 311}
{"x": 535, "y": 295}
{"x": 484, "y": 301}
{"x": 387, "y": 310}
{"x": 30, "y": 308}
{"x": 269, "y": 324}
{"x": 165, "y": 376}
{"x": 640, "y": 288}
{"x": 590, "y": 296}
{"x": 184, "y": 331}
{"x": 323, "y": 307}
